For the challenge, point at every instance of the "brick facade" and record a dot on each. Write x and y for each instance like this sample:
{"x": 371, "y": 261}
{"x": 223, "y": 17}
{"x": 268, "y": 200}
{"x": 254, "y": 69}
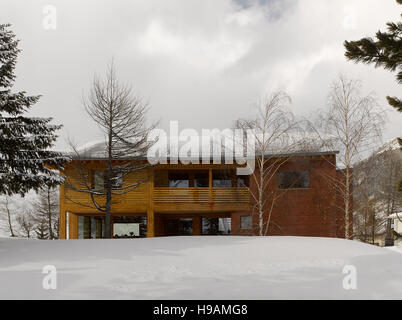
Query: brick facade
{"x": 313, "y": 211}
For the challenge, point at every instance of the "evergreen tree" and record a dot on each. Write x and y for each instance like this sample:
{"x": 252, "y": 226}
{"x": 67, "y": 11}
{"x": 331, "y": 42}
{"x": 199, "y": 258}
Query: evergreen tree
{"x": 41, "y": 230}
{"x": 46, "y": 208}
{"x": 400, "y": 182}
{"x": 385, "y": 51}
{"x": 24, "y": 141}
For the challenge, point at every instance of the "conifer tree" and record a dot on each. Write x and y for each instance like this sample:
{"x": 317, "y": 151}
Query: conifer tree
{"x": 24, "y": 141}
{"x": 46, "y": 208}
{"x": 384, "y": 51}
{"x": 41, "y": 229}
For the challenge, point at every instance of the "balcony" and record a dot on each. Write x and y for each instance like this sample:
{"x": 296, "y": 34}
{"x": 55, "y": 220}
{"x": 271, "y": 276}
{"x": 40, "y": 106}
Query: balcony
{"x": 201, "y": 195}
{"x": 200, "y": 191}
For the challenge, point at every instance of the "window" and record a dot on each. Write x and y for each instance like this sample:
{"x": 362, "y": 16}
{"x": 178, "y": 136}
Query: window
{"x": 91, "y": 227}
{"x": 178, "y": 227}
{"x": 178, "y": 180}
{"x": 245, "y": 222}
{"x": 210, "y": 226}
{"x": 243, "y": 181}
{"x": 117, "y": 180}
{"x": 98, "y": 180}
{"x": 222, "y": 179}
{"x": 293, "y": 180}
{"x": 126, "y": 230}
{"x": 216, "y": 226}
{"x": 201, "y": 179}
{"x": 129, "y": 226}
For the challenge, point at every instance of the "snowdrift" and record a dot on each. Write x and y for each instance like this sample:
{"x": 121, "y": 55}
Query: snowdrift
{"x": 199, "y": 268}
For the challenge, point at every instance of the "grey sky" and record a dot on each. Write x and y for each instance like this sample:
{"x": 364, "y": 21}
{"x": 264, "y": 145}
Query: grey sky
{"x": 203, "y": 63}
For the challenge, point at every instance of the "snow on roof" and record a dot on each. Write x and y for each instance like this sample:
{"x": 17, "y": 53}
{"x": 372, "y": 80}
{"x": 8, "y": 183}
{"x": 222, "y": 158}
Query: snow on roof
{"x": 96, "y": 150}
{"x": 89, "y": 145}
{"x": 397, "y": 215}
{"x": 390, "y": 146}
{"x": 92, "y": 149}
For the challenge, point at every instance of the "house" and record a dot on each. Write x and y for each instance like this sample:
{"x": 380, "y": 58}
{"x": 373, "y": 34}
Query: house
{"x": 376, "y": 194}
{"x": 201, "y": 199}
{"x": 396, "y": 225}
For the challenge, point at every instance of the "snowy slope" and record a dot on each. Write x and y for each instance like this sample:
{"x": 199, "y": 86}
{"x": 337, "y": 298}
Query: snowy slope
{"x": 199, "y": 268}
{"x": 395, "y": 248}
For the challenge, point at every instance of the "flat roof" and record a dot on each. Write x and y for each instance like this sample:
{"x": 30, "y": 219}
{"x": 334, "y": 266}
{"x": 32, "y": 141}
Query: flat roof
{"x": 273, "y": 155}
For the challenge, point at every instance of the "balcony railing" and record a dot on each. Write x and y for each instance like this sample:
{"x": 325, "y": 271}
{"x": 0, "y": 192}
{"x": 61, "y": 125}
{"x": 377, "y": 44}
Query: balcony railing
{"x": 202, "y": 195}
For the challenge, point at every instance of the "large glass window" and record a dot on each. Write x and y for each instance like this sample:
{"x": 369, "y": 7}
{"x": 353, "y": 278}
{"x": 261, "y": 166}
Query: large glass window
{"x": 243, "y": 181}
{"x": 178, "y": 179}
{"x": 129, "y": 227}
{"x": 225, "y": 225}
{"x": 222, "y": 179}
{"x": 178, "y": 227}
{"x": 210, "y": 226}
{"x": 293, "y": 179}
{"x": 91, "y": 227}
{"x": 216, "y": 226}
{"x": 201, "y": 179}
{"x": 186, "y": 227}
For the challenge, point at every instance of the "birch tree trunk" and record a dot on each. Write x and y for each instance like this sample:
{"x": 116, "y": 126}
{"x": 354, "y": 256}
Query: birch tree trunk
{"x": 352, "y": 125}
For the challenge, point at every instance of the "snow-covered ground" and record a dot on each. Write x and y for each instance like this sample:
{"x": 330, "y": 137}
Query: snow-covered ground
{"x": 3, "y": 233}
{"x": 199, "y": 268}
{"x": 395, "y": 248}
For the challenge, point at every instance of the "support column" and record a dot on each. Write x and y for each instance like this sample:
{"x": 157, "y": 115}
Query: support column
{"x": 197, "y": 226}
{"x": 210, "y": 178}
{"x": 62, "y": 224}
{"x": 73, "y": 225}
{"x": 150, "y": 223}
{"x": 62, "y": 215}
{"x": 150, "y": 209}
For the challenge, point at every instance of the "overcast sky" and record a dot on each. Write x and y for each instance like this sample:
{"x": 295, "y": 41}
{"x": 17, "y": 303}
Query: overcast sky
{"x": 201, "y": 62}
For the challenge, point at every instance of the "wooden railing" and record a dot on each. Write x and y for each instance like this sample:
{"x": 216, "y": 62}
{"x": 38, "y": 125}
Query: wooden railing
{"x": 201, "y": 195}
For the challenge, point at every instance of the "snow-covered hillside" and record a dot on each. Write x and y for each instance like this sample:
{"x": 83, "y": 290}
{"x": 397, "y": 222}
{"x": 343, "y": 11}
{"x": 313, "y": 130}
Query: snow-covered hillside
{"x": 199, "y": 268}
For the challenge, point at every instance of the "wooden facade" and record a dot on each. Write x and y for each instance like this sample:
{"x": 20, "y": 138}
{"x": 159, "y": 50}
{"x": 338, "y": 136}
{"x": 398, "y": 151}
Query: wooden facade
{"x": 154, "y": 203}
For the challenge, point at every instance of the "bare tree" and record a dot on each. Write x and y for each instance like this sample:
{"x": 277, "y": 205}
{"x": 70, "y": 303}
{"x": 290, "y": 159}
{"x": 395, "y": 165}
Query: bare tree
{"x": 5, "y": 203}
{"x": 275, "y": 130}
{"x": 122, "y": 118}
{"x": 368, "y": 218}
{"x": 376, "y": 194}
{"x": 26, "y": 223}
{"x": 390, "y": 175}
{"x": 352, "y": 124}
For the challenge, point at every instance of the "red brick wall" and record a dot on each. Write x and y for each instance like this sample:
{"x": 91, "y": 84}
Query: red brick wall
{"x": 301, "y": 212}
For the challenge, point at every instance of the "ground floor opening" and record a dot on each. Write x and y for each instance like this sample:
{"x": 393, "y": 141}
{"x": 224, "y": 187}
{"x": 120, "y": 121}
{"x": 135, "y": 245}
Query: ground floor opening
{"x": 194, "y": 226}
{"x": 94, "y": 226}
{"x": 130, "y": 226}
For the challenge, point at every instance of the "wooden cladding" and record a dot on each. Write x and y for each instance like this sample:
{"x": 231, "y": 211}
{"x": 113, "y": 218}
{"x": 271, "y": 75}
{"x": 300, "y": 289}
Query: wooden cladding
{"x": 241, "y": 195}
{"x": 155, "y": 194}
{"x": 201, "y": 195}
{"x": 76, "y": 201}
{"x": 165, "y": 194}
